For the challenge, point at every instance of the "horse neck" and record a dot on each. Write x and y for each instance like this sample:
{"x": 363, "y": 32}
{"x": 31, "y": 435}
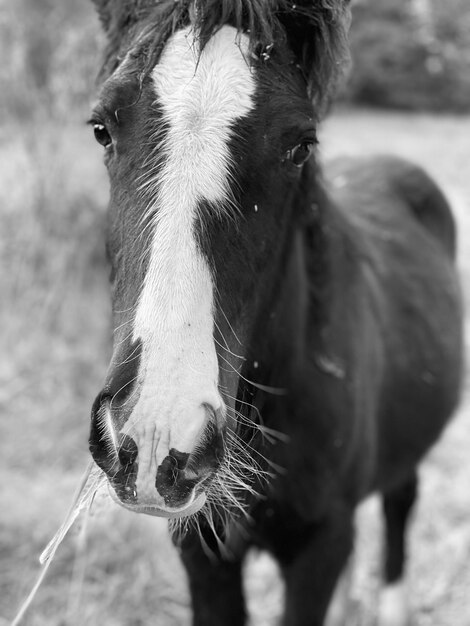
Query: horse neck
{"x": 320, "y": 258}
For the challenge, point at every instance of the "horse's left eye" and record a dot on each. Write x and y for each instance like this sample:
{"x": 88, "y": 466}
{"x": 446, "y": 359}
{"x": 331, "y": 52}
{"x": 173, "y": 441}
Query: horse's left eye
{"x": 300, "y": 153}
{"x": 101, "y": 134}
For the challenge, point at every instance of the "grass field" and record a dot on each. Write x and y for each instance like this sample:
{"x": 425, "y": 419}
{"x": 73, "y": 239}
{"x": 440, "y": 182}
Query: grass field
{"x": 56, "y": 343}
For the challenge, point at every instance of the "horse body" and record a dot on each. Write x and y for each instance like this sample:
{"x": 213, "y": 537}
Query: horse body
{"x": 370, "y": 381}
{"x": 407, "y": 280}
{"x": 282, "y": 347}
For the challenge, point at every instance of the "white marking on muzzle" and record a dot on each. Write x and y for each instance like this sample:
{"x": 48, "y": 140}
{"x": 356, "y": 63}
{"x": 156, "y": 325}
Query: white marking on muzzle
{"x": 200, "y": 96}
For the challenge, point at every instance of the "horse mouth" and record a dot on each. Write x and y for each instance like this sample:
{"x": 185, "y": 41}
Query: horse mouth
{"x": 194, "y": 505}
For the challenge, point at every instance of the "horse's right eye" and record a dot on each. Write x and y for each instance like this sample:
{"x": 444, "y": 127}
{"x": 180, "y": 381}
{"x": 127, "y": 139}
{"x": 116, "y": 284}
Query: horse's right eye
{"x": 101, "y": 134}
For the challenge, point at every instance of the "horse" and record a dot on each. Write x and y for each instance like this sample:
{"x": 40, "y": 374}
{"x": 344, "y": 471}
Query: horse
{"x": 287, "y": 337}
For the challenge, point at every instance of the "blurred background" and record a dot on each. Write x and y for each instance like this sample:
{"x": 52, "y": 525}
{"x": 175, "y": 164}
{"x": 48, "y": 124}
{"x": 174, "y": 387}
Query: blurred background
{"x": 408, "y": 92}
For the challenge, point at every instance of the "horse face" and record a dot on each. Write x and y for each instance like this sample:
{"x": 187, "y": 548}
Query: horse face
{"x": 204, "y": 157}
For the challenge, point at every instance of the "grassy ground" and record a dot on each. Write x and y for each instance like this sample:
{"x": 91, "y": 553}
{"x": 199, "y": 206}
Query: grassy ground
{"x": 54, "y": 318}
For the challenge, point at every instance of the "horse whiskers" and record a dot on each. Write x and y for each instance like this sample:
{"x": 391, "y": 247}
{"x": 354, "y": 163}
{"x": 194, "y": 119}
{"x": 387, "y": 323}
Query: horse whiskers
{"x": 270, "y": 434}
{"x": 262, "y": 474}
{"x": 221, "y": 333}
{"x": 239, "y": 467}
{"x": 129, "y": 382}
{"x": 213, "y": 519}
{"x": 228, "y": 496}
{"x": 130, "y": 357}
{"x": 115, "y": 330}
{"x": 226, "y": 318}
{"x": 245, "y": 403}
{"x": 242, "y": 445}
{"x": 124, "y": 339}
{"x": 127, "y": 360}
{"x": 277, "y": 391}
{"x": 232, "y": 486}
{"x": 237, "y": 356}
{"x": 243, "y": 467}
{"x": 220, "y": 544}
{"x": 120, "y": 311}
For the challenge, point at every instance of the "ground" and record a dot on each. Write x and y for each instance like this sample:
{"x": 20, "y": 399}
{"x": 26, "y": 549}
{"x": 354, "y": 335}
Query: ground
{"x": 123, "y": 571}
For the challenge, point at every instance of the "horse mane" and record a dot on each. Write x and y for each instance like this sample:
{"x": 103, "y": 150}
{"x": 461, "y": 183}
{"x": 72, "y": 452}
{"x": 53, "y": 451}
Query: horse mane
{"x": 315, "y": 30}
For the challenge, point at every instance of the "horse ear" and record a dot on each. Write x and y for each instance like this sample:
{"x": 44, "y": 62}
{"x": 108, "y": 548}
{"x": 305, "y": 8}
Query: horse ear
{"x": 116, "y": 15}
{"x": 317, "y": 32}
{"x": 103, "y": 8}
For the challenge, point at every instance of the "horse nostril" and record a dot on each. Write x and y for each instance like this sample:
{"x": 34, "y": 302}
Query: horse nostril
{"x": 167, "y": 473}
{"x": 115, "y": 453}
{"x": 172, "y": 481}
{"x": 180, "y": 473}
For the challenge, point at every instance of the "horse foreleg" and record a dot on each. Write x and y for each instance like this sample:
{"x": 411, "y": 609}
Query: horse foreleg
{"x": 312, "y": 574}
{"x": 397, "y": 506}
{"x": 215, "y": 586}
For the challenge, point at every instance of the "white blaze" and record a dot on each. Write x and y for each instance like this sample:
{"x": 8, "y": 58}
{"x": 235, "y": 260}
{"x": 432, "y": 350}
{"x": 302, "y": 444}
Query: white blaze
{"x": 200, "y": 96}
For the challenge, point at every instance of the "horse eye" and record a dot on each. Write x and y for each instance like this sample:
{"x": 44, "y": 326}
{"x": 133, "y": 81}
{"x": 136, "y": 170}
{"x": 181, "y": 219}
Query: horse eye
{"x": 300, "y": 153}
{"x": 101, "y": 134}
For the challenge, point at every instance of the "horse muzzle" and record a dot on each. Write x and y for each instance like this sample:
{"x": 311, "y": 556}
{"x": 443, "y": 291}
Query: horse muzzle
{"x": 174, "y": 487}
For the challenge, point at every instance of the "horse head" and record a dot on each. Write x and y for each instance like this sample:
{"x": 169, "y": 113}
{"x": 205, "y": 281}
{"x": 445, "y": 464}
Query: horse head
{"x": 207, "y": 114}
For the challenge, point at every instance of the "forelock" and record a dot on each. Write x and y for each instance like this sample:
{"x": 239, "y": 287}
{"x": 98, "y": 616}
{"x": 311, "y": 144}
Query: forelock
{"x": 315, "y": 31}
